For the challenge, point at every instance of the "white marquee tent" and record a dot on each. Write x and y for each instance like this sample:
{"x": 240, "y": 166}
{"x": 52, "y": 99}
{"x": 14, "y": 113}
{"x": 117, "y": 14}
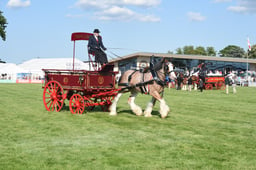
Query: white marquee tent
{"x": 35, "y": 66}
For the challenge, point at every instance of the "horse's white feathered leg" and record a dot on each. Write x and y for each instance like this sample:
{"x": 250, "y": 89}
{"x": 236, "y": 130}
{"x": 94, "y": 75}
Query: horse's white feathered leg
{"x": 164, "y": 109}
{"x": 112, "y": 108}
{"x": 135, "y": 108}
{"x": 148, "y": 110}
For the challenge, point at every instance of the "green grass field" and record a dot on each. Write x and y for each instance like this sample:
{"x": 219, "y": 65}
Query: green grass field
{"x": 209, "y": 130}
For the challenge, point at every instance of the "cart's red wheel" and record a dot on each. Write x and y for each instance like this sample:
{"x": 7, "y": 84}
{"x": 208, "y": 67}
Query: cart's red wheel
{"x": 52, "y": 96}
{"x": 208, "y": 86}
{"x": 76, "y": 104}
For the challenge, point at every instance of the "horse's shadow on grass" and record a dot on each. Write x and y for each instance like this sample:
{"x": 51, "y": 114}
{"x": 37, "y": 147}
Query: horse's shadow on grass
{"x": 119, "y": 111}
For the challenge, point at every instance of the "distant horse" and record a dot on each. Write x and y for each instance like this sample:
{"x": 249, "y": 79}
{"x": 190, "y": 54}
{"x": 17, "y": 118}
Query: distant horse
{"x": 151, "y": 83}
{"x": 195, "y": 81}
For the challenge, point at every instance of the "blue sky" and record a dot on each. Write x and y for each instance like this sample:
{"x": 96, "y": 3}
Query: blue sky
{"x": 42, "y": 28}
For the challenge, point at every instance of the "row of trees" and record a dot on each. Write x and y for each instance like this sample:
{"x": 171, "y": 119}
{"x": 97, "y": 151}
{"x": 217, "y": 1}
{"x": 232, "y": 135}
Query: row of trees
{"x": 3, "y": 24}
{"x": 229, "y": 51}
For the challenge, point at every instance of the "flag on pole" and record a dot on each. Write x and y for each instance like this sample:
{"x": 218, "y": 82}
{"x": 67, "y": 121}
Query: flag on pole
{"x": 249, "y": 45}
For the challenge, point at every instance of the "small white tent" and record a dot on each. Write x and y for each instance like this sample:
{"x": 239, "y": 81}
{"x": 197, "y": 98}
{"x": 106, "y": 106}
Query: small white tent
{"x": 9, "y": 71}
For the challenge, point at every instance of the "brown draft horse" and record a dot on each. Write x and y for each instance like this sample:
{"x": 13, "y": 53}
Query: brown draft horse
{"x": 136, "y": 82}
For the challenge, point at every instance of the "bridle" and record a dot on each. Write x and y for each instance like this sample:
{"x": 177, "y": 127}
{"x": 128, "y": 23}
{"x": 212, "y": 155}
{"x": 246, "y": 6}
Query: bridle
{"x": 164, "y": 73}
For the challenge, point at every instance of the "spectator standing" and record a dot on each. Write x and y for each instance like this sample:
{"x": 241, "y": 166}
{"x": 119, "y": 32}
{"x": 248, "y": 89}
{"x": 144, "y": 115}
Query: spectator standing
{"x": 179, "y": 81}
{"x": 234, "y": 85}
{"x": 201, "y": 84}
{"x": 189, "y": 83}
{"x": 227, "y": 83}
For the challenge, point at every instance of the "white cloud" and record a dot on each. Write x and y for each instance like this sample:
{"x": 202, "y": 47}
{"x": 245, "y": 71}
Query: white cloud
{"x": 240, "y": 9}
{"x": 244, "y": 6}
{"x": 148, "y": 3}
{"x": 89, "y": 4}
{"x": 220, "y": 1}
{"x": 106, "y": 3}
{"x": 195, "y": 16}
{"x": 18, "y": 3}
{"x": 122, "y": 10}
{"x": 124, "y": 14}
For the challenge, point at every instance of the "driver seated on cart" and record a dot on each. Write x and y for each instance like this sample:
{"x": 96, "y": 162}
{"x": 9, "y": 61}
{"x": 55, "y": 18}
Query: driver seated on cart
{"x": 96, "y": 47}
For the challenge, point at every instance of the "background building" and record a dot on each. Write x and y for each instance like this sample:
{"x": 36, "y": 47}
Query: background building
{"x": 186, "y": 62}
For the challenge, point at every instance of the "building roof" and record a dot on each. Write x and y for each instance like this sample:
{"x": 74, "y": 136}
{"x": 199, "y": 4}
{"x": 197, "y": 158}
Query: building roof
{"x": 182, "y": 56}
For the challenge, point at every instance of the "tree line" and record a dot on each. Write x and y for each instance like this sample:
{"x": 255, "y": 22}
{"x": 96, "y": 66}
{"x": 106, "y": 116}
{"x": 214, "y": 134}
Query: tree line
{"x": 3, "y": 24}
{"x": 228, "y": 51}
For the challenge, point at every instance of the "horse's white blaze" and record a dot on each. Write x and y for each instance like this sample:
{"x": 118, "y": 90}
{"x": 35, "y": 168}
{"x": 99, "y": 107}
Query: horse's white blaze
{"x": 112, "y": 108}
{"x": 164, "y": 109}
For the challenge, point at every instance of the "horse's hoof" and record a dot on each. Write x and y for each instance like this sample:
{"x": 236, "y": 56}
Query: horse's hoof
{"x": 112, "y": 114}
{"x": 138, "y": 114}
{"x": 163, "y": 117}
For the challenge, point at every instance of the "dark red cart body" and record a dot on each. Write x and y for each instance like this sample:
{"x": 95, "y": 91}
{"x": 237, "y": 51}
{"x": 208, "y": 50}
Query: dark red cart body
{"x": 83, "y": 80}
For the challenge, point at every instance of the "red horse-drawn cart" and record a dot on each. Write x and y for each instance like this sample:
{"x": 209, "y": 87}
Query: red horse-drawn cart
{"x": 214, "y": 81}
{"x": 217, "y": 82}
{"x": 84, "y": 89}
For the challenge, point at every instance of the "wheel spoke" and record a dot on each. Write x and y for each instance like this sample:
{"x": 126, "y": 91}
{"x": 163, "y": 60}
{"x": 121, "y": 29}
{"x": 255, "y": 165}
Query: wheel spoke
{"x": 59, "y": 95}
{"x": 48, "y": 102}
{"x": 76, "y": 111}
{"x": 51, "y": 85}
{"x": 73, "y": 102}
{"x": 81, "y": 110}
{"x": 58, "y": 104}
{"x": 53, "y": 105}
{"x": 47, "y": 93}
{"x": 50, "y": 90}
